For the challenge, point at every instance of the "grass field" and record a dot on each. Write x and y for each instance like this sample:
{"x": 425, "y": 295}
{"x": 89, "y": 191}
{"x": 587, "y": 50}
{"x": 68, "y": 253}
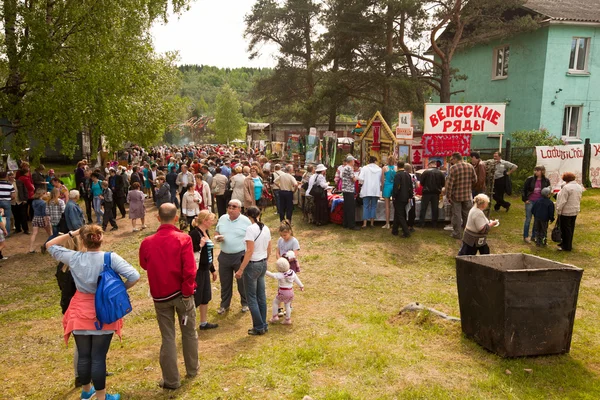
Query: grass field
{"x": 347, "y": 341}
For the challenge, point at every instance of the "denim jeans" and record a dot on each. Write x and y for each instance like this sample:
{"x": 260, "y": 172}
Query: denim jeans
{"x": 91, "y": 365}
{"x": 98, "y": 209}
{"x": 7, "y": 214}
{"x": 369, "y": 207}
{"x": 254, "y": 282}
{"x": 528, "y": 215}
{"x": 54, "y": 233}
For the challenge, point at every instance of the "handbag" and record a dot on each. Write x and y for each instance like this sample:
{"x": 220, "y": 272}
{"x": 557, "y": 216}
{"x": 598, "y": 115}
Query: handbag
{"x": 556, "y": 236}
{"x": 317, "y": 191}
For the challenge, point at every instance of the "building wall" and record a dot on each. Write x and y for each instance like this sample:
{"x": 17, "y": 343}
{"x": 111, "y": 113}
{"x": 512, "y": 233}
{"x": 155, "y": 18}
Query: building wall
{"x": 566, "y": 89}
{"x": 522, "y": 90}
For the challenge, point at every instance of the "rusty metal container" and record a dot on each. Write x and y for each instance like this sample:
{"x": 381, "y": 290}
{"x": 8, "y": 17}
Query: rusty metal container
{"x": 517, "y": 304}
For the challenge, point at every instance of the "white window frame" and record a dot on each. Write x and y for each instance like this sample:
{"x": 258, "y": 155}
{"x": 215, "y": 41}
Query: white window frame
{"x": 495, "y": 60}
{"x": 568, "y": 123}
{"x": 585, "y": 69}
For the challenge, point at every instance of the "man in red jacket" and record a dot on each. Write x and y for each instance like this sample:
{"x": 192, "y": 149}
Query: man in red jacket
{"x": 168, "y": 257}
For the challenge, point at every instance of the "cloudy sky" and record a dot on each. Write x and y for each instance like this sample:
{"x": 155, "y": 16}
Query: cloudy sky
{"x": 211, "y": 33}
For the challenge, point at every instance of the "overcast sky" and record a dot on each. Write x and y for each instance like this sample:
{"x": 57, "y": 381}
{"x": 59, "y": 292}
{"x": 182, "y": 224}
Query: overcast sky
{"x": 211, "y": 33}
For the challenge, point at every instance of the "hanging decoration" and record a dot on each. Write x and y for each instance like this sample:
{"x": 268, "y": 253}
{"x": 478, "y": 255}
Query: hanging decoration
{"x": 376, "y": 145}
{"x": 443, "y": 145}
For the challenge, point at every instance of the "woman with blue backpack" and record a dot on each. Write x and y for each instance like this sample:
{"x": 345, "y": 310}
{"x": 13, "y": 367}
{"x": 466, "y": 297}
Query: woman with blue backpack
{"x": 88, "y": 317}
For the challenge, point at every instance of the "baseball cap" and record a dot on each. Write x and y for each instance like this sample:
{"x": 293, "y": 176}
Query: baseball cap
{"x": 350, "y": 158}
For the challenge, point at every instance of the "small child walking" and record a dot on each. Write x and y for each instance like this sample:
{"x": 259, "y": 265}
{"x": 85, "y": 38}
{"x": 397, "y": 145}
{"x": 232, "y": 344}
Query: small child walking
{"x": 285, "y": 293}
{"x": 3, "y": 234}
{"x": 288, "y": 246}
{"x": 542, "y": 211}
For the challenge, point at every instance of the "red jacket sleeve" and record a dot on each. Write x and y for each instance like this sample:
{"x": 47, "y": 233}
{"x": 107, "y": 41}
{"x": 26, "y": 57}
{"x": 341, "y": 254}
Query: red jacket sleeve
{"x": 142, "y": 255}
{"x": 189, "y": 267}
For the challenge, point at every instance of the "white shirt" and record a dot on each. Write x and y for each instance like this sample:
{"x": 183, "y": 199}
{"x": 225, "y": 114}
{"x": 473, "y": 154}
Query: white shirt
{"x": 261, "y": 241}
{"x": 370, "y": 175}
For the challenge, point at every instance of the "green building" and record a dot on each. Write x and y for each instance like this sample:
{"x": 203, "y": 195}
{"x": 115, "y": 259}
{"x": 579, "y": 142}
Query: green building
{"x": 549, "y": 78}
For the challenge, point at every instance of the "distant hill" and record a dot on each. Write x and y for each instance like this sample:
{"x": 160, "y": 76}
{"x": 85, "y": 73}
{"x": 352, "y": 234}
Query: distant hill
{"x": 202, "y": 83}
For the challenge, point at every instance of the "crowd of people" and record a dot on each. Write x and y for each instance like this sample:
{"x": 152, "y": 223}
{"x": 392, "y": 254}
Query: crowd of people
{"x": 199, "y": 189}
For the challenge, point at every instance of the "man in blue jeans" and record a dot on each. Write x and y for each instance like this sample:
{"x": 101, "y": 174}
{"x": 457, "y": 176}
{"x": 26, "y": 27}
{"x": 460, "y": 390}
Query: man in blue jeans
{"x": 7, "y": 193}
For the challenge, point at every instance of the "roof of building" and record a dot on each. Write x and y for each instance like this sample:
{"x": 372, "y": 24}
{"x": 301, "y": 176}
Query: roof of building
{"x": 563, "y": 10}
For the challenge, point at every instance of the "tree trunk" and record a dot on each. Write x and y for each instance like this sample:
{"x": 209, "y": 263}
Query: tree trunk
{"x": 333, "y": 107}
{"x": 310, "y": 80}
{"x": 445, "y": 83}
{"x": 389, "y": 66}
{"x": 13, "y": 80}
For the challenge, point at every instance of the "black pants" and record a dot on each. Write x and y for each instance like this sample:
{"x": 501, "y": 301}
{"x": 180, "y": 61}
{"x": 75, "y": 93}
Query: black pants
{"x": 499, "y": 191}
{"x": 88, "y": 209}
{"x": 181, "y": 198}
{"x": 567, "y": 229}
{"x": 426, "y": 200}
{"x": 286, "y": 205}
{"x": 108, "y": 216}
{"x": 541, "y": 231}
{"x": 467, "y": 250}
{"x": 221, "y": 204}
{"x": 30, "y": 210}
{"x": 120, "y": 203}
{"x": 174, "y": 198}
{"x": 349, "y": 210}
{"x": 91, "y": 366}
{"x": 400, "y": 218}
{"x": 19, "y": 212}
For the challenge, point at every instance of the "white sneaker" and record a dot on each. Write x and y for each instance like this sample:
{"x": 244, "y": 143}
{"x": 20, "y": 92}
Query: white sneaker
{"x": 222, "y": 310}
{"x": 386, "y": 226}
{"x": 4, "y": 258}
{"x": 245, "y": 309}
{"x": 448, "y": 228}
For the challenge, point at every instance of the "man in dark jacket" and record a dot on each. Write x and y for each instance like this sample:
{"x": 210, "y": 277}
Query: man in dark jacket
{"x": 402, "y": 194}
{"x": 85, "y": 190}
{"x": 172, "y": 181}
{"x": 135, "y": 177}
{"x": 432, "y": 181}
{"x": 115, "y": 183}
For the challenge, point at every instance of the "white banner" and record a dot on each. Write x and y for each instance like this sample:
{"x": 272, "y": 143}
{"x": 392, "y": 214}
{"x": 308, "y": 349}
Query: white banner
{"x": 560, "y": 159}
{"x": 595, "y": 165}
{"x": 464, "y": 118}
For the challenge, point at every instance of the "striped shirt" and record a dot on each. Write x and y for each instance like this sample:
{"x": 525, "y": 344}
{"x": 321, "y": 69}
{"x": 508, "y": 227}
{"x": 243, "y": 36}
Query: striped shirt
{"x": 6, "y": 189}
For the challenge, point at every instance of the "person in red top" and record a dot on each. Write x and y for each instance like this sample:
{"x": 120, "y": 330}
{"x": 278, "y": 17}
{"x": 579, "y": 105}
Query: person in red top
{"x": 168, "y": 257}
{"x": 24, "y": 175}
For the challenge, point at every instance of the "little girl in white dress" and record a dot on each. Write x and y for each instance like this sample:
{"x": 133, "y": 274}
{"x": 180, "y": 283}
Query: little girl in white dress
{"x": 285, "y": 293}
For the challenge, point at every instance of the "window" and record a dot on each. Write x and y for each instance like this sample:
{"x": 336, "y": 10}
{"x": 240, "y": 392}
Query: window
{"x": 579, "y": 54}
{"x": 501, "y": 55}
{"x": 572, "y": 121}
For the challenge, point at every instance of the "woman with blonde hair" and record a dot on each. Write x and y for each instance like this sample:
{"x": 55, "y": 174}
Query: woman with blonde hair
{"x": 387, "y": 183}
{"x": 253, "y": 186}
{"x": 80, "y": 317}
{"x": 477, "y": 228}
{"x": 203, "y": 252}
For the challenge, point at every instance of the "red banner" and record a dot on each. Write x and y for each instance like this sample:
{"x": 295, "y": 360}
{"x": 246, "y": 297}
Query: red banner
{"x": 376, "y": 126}
{"x": 443, "y": 145}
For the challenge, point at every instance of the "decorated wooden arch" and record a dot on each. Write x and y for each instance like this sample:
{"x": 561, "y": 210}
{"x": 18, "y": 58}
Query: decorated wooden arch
{"x": 377, "y": 140}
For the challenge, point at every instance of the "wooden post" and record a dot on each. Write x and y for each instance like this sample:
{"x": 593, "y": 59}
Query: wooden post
{"x": 587, "y": 153}
{"x": 507, "y": 152}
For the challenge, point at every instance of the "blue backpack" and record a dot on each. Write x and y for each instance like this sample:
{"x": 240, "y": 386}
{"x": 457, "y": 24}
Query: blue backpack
{"x": 112, "y": 301}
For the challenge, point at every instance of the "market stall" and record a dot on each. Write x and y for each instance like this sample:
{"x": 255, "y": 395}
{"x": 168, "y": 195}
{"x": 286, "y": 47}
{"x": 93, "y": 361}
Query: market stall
{"x": 377, "y": 140}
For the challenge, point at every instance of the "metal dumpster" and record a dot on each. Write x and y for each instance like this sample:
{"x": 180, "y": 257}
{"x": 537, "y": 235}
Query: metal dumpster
{"x": 517, "y": 304}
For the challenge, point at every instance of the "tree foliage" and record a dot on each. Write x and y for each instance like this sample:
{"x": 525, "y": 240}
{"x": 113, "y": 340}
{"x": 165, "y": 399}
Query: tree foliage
{"x": 84, "y": 65}
{"x": 229, "y": 122}
{"x": 536, "y": 137}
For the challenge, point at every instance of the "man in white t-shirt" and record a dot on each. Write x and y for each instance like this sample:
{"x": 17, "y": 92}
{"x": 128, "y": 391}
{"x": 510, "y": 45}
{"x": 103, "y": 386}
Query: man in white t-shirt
{"x": 253, "y": 269}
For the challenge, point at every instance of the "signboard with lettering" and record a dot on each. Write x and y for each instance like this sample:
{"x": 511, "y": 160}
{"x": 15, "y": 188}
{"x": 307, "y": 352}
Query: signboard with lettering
{"x": 404, "y": 130}
{"x": 595, "y": 165}
{"x": 561, "y": 159}
{"x": 464, "y": 118}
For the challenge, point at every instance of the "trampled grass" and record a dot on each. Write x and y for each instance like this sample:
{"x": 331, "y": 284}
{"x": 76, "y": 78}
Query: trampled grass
{"x": 347, "y": 341}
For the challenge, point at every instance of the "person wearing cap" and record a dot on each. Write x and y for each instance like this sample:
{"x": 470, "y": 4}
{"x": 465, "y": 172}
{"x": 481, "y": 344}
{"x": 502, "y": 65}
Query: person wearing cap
{"x": 320, "y": 203}
{"x": 532, "y": 192}
{"x": 348, "y": 189}
{"x": 543, "y": 212}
